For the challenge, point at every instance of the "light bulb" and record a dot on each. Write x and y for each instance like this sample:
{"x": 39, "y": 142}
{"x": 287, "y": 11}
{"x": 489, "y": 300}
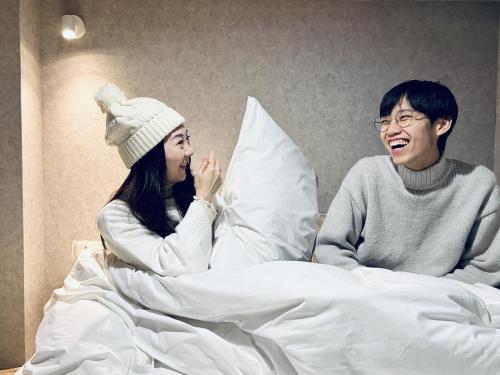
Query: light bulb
{"x": 72, "y": 27}
{"x": 68, "y": 34}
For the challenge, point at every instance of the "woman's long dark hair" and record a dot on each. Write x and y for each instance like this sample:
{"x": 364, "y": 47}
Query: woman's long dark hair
{"x": 144, "y": 191}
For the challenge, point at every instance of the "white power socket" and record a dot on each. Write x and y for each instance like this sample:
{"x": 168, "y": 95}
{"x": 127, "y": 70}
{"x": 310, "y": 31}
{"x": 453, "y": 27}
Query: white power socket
{"x": 78, "y": 246}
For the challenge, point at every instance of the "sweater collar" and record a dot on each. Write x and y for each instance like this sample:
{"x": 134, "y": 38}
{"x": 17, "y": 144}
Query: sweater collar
{"x": 426, "y": 178}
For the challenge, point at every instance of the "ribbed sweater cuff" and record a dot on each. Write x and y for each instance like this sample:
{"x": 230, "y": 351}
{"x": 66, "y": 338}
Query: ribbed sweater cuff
{"x": 198, "y": 220}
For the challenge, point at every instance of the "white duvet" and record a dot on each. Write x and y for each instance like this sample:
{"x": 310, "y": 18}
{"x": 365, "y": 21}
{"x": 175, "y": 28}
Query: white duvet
{"x": 272, "y": 318}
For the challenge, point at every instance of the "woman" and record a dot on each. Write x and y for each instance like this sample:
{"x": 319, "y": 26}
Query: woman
{"x": 160, "y": 219}
{"x": 154, "y": 223}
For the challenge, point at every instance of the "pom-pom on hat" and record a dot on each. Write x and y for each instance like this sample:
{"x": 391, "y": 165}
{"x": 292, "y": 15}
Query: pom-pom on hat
{"x": 137, "y": 125}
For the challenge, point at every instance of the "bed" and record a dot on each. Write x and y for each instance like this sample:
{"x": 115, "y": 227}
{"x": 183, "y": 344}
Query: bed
{"x": 264, "y": 307}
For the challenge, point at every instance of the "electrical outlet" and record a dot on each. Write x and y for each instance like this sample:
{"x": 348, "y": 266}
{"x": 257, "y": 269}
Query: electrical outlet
{"x": 78, "y": 246}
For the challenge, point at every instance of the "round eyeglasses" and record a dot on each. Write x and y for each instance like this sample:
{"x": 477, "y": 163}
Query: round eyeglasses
{"x": 403, "y": 119}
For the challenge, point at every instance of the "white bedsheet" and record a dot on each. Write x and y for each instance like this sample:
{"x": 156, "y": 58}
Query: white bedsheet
{"x": 273, "y": 318}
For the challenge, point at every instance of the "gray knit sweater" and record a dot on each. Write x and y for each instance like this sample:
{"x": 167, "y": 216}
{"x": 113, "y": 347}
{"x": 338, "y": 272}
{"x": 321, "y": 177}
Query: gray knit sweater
{"x": 442, "y": 221}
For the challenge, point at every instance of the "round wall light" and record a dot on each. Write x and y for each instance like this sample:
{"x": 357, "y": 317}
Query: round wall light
{"x": 72, "y": 27}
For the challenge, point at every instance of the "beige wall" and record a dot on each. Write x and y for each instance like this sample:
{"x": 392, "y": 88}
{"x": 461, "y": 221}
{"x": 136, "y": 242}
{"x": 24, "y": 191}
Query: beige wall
{"x": 32, "y": 166}
{"x": 497, "y": 132}
{"x": 21, "y": 247}
{"x": 11, "y": 220}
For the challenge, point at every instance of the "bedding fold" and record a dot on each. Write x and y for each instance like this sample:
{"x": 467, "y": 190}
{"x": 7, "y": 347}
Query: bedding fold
{"x": 274, "y": 318}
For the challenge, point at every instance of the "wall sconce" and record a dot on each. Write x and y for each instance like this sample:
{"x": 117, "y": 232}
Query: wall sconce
{"x": 72, "y": 27}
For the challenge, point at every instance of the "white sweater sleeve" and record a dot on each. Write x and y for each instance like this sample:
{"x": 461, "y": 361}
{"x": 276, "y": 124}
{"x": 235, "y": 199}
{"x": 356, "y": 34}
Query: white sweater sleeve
{"x": 187, "y": 250}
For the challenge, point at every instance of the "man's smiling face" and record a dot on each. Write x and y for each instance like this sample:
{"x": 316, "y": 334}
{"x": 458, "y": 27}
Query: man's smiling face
{"x": 414, "y": 146}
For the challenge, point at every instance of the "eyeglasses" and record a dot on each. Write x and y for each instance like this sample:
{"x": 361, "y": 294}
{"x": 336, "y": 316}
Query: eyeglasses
{"x": 403, "y": 119}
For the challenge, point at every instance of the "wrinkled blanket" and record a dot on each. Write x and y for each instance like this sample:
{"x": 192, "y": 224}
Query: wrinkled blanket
{"x": 273, "y": 318}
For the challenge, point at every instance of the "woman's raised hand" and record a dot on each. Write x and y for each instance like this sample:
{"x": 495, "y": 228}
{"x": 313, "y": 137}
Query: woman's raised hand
{"x": 208, "y": 178}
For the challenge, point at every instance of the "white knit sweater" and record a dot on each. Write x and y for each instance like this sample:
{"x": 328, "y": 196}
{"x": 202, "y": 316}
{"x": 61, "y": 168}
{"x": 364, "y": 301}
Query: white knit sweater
{"x": 187, "y": 250}
{"x": 442, "y": 221}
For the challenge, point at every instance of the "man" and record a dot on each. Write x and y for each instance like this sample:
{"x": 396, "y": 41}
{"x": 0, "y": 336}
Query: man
{"x": 416, "y": 210}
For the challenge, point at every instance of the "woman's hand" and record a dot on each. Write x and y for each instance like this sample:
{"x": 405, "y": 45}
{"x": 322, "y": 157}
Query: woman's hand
{"x": 208, "y": 178}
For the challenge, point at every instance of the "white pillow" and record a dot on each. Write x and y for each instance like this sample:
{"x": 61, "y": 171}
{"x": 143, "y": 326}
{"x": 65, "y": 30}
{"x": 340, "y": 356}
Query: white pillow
{"x": 268, "y": 202}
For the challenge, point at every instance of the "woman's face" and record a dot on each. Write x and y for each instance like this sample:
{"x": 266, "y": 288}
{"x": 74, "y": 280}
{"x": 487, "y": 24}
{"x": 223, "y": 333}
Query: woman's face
{"x": 178, "y": 152}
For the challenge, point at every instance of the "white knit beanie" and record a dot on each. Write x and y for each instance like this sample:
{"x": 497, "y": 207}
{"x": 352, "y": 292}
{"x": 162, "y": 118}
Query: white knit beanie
{"x": 137, "y": 125}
